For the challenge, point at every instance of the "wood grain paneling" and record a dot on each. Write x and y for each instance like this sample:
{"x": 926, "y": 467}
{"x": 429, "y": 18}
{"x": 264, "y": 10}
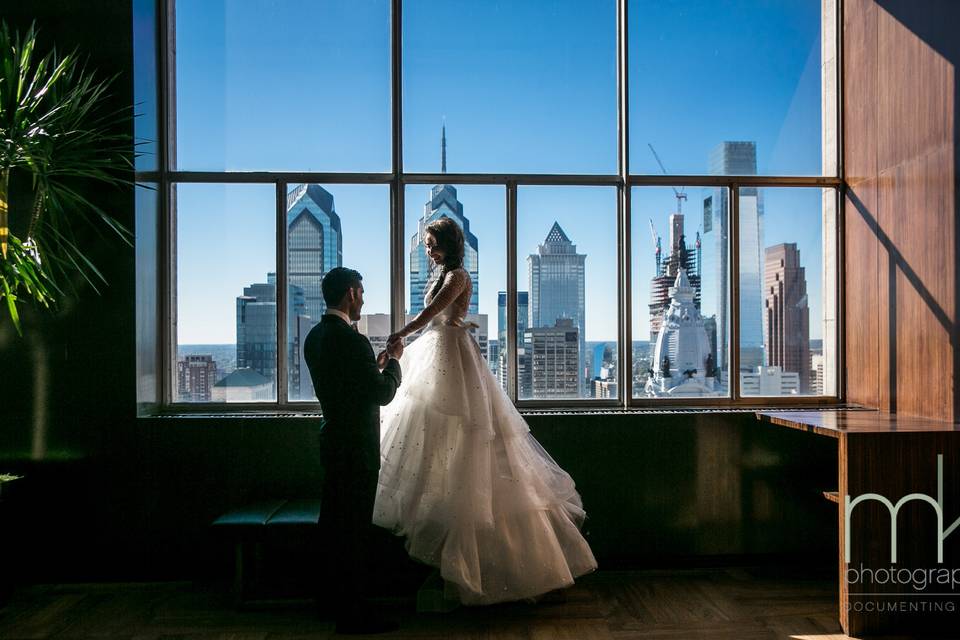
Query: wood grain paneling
{"x": 917, "y": 211}
{"x": 900, "y": 161}
{"x": 886, "y": 278}
{"x": 862, "y": 301}
{"x": 894, "y": 466}
{"x": 914, "y": 114}
{"x": 860, "y": 90}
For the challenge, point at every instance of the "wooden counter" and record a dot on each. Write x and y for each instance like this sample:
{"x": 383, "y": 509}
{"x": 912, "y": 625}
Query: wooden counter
{"x": 892, "y": 456}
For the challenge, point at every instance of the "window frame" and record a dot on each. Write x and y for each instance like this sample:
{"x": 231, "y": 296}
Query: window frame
{"x": 166, "y": 177}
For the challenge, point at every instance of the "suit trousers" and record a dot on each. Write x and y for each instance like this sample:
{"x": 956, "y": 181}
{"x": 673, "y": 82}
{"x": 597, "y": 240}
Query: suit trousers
{"x": 349, "y": 491}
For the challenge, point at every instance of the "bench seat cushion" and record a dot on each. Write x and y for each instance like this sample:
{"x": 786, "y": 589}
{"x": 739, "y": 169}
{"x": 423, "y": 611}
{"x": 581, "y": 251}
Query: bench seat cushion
{"x": 250, "y": 516}
{"x": 296, "y": 512}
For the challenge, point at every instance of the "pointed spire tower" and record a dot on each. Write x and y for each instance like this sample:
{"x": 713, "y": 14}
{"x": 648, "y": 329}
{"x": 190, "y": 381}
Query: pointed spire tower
{"x": 443, "y": 203}
{"x": 443, "y": 146}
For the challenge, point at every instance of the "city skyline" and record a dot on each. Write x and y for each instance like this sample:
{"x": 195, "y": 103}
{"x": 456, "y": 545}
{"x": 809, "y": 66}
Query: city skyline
{"x": 226, "y": 233}
{"x": 600, "y": 326}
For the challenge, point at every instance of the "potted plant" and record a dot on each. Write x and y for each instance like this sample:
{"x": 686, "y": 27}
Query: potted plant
{"x": 6, "y": 478}
{"x": 58, "y": 137}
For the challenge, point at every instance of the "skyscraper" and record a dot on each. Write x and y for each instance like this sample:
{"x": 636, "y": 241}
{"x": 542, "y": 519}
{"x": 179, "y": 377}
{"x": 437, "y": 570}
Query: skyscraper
{"x": 556, "y": 274}
{"x": 680, "y": 256}
{"x": 196, "y": 375}
{"x": 257, "y": 329}
{"x": 816, "y": 373}
{"x": 493, "y": 356}
{"x": 257, "y": 334}
{"x": 734, "y": 158}
{"x": 314, "y": 243}
{"x": 443, "y": 203}
{"x": 554, "y": 353}
{"x": 787, "y": 317}
{"x": 523, "y": 315}
{"x": 314, "y": 247}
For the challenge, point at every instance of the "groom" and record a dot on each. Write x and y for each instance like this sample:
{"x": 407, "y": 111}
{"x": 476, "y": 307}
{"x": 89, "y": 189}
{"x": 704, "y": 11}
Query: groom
{"x": 351, "y": 385}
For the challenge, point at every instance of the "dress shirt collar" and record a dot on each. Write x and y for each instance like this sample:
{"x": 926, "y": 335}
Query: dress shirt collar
{"x": 339, "y": 314}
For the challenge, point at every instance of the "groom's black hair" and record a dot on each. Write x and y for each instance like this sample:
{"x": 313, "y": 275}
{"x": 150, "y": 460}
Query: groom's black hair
{"x": 336, "y": 283}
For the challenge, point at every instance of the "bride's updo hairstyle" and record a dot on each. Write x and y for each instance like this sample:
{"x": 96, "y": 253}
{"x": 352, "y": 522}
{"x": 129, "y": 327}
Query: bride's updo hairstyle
{"x": 449, "y": 238}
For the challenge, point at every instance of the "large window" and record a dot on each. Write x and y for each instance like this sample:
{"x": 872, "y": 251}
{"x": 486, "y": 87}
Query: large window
{"x": 480, "y": 212}
{"x": 296, "y": 85}
{"x": 567, "y": 272}
{"x": 680, "y": 306}
{"x": 648, "y": 190}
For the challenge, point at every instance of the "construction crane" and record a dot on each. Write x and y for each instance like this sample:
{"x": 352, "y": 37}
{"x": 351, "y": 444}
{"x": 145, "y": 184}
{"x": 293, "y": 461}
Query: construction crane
{"x": 679, "y": 194}
{"x": 656, "y": 243}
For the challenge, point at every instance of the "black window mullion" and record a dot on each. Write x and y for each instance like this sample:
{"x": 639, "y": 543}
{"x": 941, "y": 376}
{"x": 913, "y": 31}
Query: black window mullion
{"x": 512, "y": 347}
{"x": 282, "y": 295}
{"x": 625, "y": 293}
{"x": 733, "y": 290}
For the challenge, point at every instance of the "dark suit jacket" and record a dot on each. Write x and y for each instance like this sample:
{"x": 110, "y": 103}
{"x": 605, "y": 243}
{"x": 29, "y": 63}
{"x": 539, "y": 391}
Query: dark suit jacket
{"x": 351, "y": 389}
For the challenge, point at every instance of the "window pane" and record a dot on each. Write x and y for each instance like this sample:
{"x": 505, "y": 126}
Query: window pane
{"x": 292, "y": 85}
{"x": 334, "y": 226}
{"x": 523, "y": 87}
{"x": 567, "y": 264}
{"x": 480, "y": 212}
{"x": 786, "y": 344}
{"x": 679, "y": 292}
{"x": 145, "y": 83}
{"x": 226, "y": 330}
{"x": 148, "y": 308}
{"x": 705, "y": 74}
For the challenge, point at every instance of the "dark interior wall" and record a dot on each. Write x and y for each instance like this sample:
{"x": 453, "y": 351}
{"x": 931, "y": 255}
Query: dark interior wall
{"x": 900, "y": 155}
{"x": 111, "y": 496}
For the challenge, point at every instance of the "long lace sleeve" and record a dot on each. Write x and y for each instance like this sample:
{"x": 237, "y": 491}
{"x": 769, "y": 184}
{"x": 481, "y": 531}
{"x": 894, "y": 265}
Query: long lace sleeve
{"x": 453, "y": 285}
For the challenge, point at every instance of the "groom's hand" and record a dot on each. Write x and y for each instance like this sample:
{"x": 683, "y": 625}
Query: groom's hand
{"x": 395, "y": 349}
{"x": 382, "y": 359}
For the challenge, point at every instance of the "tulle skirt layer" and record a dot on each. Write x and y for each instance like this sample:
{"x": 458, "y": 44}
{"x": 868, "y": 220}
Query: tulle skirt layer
{"x": 466, "y": 483}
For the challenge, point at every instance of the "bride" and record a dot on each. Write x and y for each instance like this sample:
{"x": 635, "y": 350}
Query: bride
{"x": 461, "y": 476}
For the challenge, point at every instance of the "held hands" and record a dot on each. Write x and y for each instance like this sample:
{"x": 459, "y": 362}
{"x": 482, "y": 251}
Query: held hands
{"x": 396, "y": 339}
{"x": 394, "y": 350}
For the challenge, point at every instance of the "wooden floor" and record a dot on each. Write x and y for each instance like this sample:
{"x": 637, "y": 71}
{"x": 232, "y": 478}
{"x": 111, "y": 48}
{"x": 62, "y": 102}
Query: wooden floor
{"x": 742, "y": 604}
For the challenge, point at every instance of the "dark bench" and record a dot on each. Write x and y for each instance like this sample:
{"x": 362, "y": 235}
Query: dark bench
{"x": 252, "y": 526}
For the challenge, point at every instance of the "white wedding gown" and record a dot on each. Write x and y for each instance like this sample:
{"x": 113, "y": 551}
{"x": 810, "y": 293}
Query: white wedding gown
{"x": 462, "y": 477}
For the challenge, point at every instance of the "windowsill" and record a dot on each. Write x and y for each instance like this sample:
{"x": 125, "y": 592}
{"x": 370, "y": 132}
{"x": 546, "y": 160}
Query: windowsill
{"x": 526, "y": 411}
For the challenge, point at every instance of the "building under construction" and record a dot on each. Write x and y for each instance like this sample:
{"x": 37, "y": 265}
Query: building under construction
{"x": 679, "y": 256}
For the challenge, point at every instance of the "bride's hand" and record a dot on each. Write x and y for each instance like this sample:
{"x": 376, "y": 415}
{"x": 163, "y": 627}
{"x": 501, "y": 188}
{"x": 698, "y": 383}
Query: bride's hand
{"x": 393, "y": 338}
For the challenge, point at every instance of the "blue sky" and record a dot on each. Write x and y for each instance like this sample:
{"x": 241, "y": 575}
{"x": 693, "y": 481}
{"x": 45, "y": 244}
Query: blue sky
{"x": 523, "y": 86}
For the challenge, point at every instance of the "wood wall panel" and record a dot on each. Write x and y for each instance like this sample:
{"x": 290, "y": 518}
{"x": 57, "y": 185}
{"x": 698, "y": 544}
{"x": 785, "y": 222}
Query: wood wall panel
{"x": 872, "y": 463}
{"x": 913, "y": 104}
{"x": 859, "y": 89}
{"x": 917, "y": 215}
{"x": 900, "y": 149}
{"x": 862, "y": 353}
{"x": 885, "y": 312}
